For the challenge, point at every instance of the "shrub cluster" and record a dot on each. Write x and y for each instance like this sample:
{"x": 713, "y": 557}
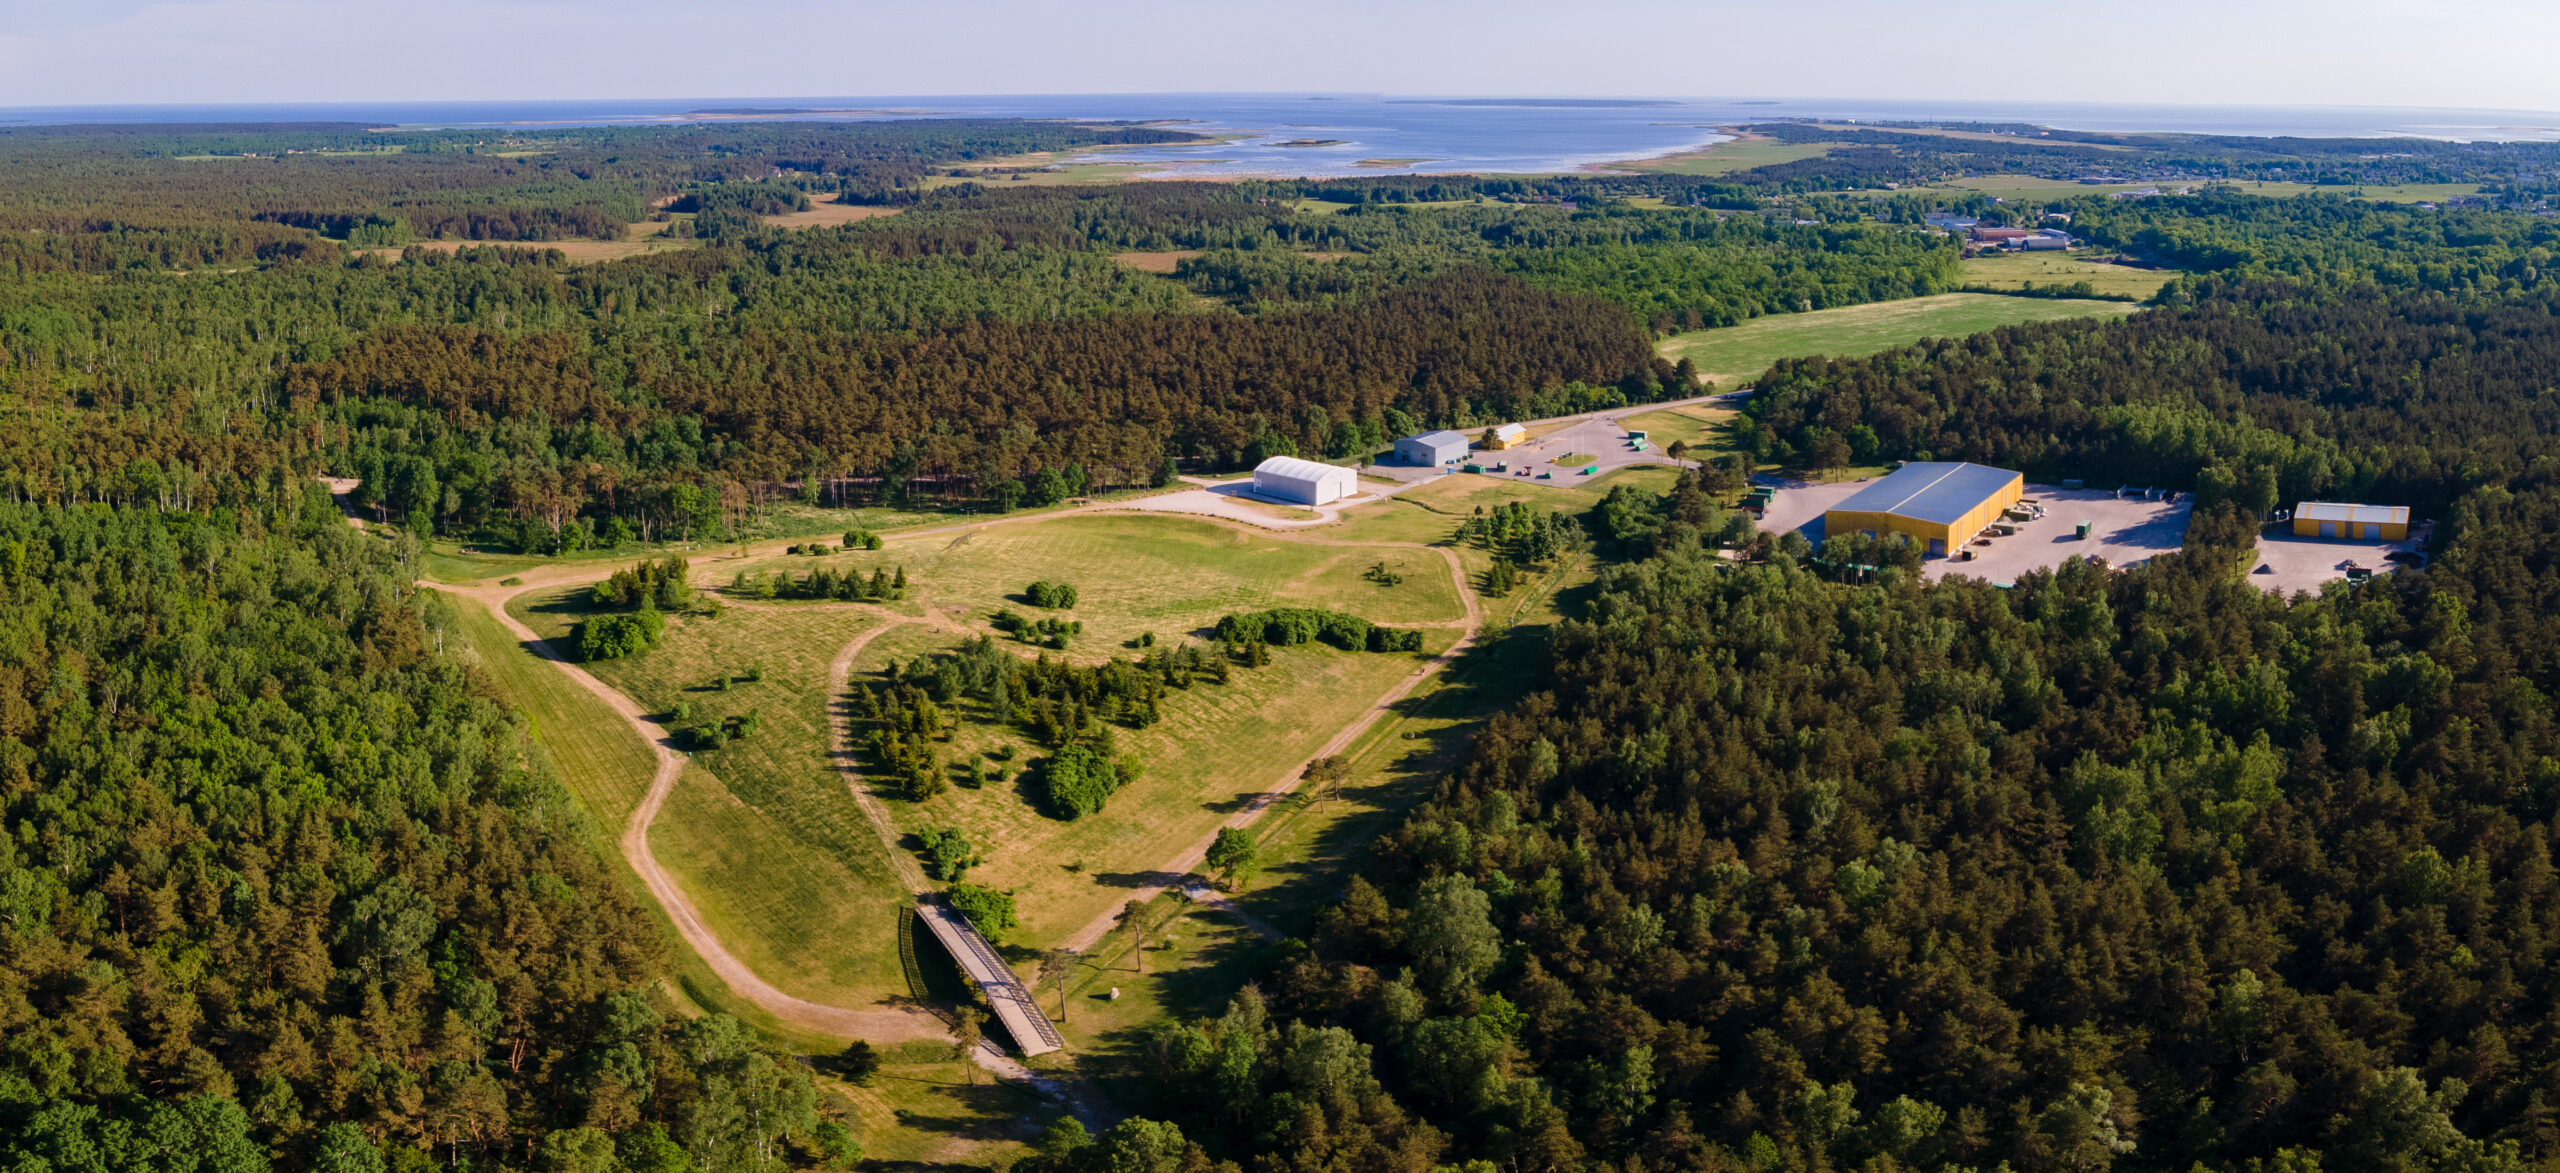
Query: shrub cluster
{"x": 1291, "y": 626}
{"x": 1052, "y": 596}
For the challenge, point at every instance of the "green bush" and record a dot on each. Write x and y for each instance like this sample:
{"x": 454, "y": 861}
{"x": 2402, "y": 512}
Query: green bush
{"x": 990, "y": 910}
{"x": 1053, "y": 596}
{"x": 1291, "y": 626}
{"x": 948, "y": 854}
{"x": 1076, "y": 780}
{"x": 611, "y": 637}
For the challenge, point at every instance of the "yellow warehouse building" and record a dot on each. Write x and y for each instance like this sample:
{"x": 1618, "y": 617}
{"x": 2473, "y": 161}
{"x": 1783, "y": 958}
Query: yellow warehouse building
{"x": 1939, "y": 504}
{"x": 2364, "y": 523}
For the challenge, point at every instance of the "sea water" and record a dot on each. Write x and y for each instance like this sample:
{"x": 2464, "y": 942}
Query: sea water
{"x": 1370, "y": 134}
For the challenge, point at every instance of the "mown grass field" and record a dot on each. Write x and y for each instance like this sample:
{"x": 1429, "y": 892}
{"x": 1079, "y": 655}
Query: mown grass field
{"x": 2015, "y": 270}
{"x": 776, "y": 851}
{"x": 925, "y": 1110}
{"x": 606, "y": 769}
{"x": 1217, "y": 746}
{"x": 448, "y": 561}
{"x": 1697, "y": 425}
{"x": 761, "y": 832}
{"x": 1735, "y": 354}
{"x": 1738, "y": 154}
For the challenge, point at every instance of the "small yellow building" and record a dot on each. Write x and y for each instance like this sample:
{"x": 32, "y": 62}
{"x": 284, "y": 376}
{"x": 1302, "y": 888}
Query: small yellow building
{"x": 2363, "y": 523}
{"x": 1504, "y": 436}
{"x": 1937, "y": 503}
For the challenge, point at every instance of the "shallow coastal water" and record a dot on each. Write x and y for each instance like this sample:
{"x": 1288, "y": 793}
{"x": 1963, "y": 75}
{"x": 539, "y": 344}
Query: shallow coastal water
{"x": 1368, "y": 134}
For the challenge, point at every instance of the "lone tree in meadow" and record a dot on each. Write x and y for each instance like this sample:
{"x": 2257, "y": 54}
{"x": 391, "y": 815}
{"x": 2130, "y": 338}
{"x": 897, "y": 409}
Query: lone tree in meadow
{"x": 1235, "y": 857}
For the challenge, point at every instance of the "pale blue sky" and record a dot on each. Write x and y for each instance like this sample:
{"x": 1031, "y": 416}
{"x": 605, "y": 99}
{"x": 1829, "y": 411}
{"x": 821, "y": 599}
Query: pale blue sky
{"x": 2452, "y": 53}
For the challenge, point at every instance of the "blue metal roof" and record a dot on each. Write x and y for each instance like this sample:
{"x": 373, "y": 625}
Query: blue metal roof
{"x": 1934, "y": 491}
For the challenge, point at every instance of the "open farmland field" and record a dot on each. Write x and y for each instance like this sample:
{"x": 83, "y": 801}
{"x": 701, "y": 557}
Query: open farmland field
{"x": 829, "y": 214}
{"x": 1156, "y": 262}
{"x": 1734, "y": 354}
{"x": 2014, "y": 270}
{"x": 580, "y": 251}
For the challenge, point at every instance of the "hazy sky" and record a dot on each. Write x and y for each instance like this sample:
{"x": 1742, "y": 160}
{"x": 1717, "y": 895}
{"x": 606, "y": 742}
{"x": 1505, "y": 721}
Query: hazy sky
{"x": 2454, "y": 53}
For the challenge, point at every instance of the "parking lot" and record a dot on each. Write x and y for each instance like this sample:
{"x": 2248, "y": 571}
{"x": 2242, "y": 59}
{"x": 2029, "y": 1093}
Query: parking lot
{"x": 1602, "y": 438}
{"x": 2301, "y": 564}
{"x": 2123, "y": 531}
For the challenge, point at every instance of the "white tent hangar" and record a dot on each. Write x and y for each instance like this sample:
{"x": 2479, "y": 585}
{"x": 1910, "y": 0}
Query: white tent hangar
{"x": 1304, "y": 481}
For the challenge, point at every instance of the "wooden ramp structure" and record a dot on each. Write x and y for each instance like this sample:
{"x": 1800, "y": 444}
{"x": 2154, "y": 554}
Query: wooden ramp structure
{"x": 1022, "y": 1018}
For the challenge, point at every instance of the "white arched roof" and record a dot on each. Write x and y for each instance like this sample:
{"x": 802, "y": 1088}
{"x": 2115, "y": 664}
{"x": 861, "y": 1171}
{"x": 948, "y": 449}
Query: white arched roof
{"x": 1296, "y": 469}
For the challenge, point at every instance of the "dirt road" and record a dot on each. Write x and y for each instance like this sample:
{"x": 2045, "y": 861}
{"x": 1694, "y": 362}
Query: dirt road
{"x": 1189, "y": 861}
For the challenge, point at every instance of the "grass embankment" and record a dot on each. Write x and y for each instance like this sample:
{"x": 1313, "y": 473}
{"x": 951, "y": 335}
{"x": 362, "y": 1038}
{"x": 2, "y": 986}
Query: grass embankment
{"x": 1733, "y": 354}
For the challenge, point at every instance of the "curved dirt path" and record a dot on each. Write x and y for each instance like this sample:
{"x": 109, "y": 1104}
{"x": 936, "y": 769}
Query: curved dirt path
{"x": 893, "y": 1025}
{"x": 902, "y": 1024}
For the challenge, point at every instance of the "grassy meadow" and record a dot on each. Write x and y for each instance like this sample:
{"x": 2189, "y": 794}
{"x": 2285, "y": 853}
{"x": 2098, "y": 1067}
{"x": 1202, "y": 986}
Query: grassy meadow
{"x": 1735, "y": 354}
{"x": 778, "y": 856}
{"x": 2015, "y": 270}
{"x": 1741, "y": 153}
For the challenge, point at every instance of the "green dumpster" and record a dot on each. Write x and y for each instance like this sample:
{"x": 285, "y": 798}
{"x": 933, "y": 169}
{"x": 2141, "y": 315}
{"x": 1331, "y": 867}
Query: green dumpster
{"x": 2082, "y": 532}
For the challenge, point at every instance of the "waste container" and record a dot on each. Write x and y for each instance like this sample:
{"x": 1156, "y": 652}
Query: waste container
{"x": 2081, "y": 532}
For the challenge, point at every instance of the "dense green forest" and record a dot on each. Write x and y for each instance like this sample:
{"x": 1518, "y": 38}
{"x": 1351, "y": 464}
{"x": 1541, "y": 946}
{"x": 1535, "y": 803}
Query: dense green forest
{"x": 2140, "y": 870}
{"x": 283, "y": 879}
{"x": 2259, "y": 392}
{"x": 1770, "y": 873}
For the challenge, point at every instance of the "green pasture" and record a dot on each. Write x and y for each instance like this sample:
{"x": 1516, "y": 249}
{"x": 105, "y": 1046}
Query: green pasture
{"x": 2015, "y": 270}
{"x": 1733, "y": 354}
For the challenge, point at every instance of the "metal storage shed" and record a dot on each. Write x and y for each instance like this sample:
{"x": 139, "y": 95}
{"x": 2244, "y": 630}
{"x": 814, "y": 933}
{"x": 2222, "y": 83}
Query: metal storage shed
{"x": 2370, "y": 523}
{"x": 1439, "y": 447}
{"x": 1940, "y": 503}
{"x": 1304, "y": 481}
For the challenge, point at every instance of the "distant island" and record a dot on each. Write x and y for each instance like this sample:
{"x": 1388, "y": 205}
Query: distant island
{"x": 1537, "y": 103}
{"x": 754, "y": 111}
{"x": 1314, "y": 142}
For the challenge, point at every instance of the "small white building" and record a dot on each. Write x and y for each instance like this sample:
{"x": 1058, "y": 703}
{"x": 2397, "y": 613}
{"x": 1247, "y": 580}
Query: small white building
{"x": 1306, "y": 482}
{"x": 1439, "y": 447}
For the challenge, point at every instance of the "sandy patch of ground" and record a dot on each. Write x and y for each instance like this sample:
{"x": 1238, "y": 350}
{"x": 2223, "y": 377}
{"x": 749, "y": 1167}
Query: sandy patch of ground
{"x": 829, "y": 215}
{"x": 1156, "y": 262}
{"x": 1236, "y": 501}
